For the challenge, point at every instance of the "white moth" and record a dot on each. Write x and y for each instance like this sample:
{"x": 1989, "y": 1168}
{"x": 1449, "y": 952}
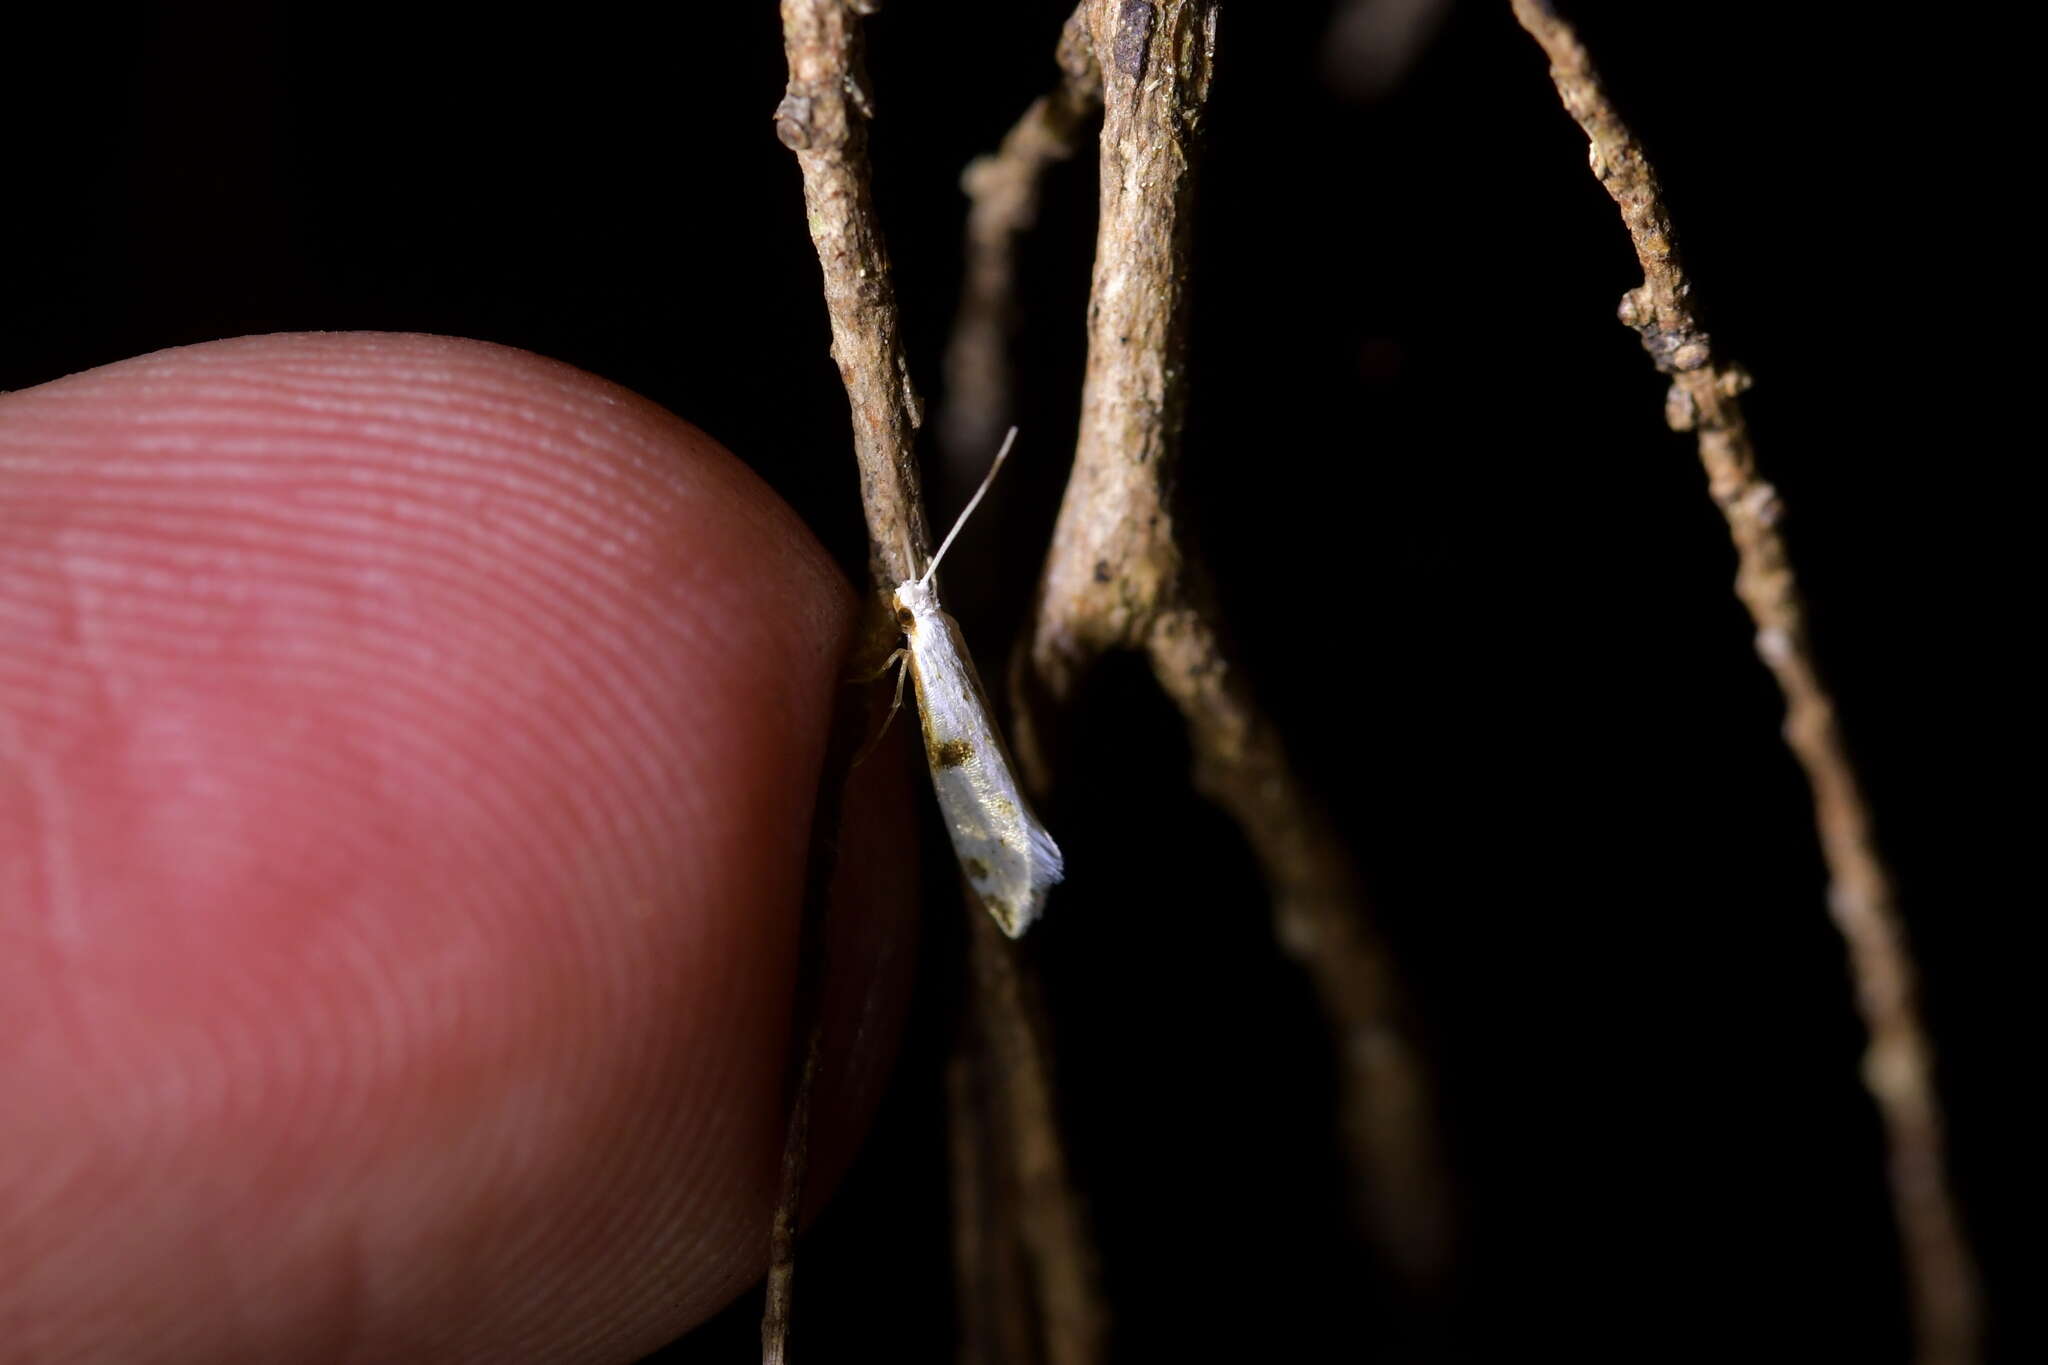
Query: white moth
{"x": 1008, "y": 857}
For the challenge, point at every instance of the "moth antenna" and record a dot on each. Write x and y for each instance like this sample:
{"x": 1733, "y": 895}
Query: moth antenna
{"x": 968, "y": 510}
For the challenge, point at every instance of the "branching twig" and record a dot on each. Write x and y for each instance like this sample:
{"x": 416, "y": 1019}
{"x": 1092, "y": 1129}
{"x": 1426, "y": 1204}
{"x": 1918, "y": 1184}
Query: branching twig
{"x": 1897, "y": 1067}
{"x": 1116, "y": 578}
{"x": 1002, "y": 195}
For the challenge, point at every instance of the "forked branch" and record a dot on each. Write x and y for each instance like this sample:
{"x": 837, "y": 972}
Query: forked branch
{"x": 1117, "y": 577}
{"x": 1897, "y": 1066}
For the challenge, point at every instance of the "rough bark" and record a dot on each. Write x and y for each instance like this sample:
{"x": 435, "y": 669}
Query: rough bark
{"x": 1703, "y": 398}
{"x": 823, "y": 119}
{"x": 1118, "y": 577}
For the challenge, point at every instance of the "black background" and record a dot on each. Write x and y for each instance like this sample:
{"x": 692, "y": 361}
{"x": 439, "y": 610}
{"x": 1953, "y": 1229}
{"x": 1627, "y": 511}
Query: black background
{"x": 1476, "y": 579}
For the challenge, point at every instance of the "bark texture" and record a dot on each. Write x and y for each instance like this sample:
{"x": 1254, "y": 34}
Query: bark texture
{"x": 1703, "y": 398}
{"x": 1027, "y": 1215}
{"x": 823, "y": 118}
{"x": 1119, "y": 577}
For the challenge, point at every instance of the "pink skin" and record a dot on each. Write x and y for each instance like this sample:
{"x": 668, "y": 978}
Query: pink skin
{"x": 407, "y": 750}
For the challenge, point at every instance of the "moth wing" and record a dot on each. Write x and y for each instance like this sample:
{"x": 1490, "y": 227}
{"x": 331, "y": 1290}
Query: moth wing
{"x": 1007, "y": 855}
{"x": 1048, "y": 864}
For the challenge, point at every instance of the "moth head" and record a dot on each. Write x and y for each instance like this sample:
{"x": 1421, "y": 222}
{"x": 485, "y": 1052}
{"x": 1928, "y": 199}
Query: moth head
{"x": 912, "y": 599}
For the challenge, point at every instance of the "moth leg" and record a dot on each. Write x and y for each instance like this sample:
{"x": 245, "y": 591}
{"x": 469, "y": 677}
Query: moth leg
{"x": 887, "y": 664}
{"x": 901, "y": 658}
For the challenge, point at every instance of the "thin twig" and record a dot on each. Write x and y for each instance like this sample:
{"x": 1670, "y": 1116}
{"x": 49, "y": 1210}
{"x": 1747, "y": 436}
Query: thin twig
{"x": 1116, "y": 578}
{"x": 1002, "y": 204}
{"x": 776, "y": 1317}
{"x": 991, "y": 1277}
{"x": 850, "y": 722}
{"x": 823, "y": 119}
{"x": 1385, "y": 1105}
{"x": 1024, "y": 1254}
{"x": 1897, "y": 1067}
{"x": 1045, "y": 1208}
